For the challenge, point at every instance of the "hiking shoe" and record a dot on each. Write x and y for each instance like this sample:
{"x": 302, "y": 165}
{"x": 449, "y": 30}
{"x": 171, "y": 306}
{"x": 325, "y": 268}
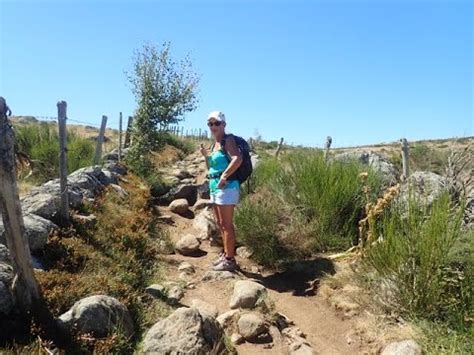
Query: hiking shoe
{"x": 219, "y": 259}
{"x": 226, "y": 265}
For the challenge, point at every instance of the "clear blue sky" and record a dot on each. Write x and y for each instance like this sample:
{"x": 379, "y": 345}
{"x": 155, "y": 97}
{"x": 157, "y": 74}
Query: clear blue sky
{"x": 360, "y": 71}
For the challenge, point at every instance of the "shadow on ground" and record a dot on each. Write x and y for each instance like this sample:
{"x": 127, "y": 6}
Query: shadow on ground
{"x": 301, "y": 278}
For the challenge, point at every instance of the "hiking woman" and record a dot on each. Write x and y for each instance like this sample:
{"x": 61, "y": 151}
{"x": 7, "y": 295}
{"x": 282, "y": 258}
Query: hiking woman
{"x": 223, "y": 160}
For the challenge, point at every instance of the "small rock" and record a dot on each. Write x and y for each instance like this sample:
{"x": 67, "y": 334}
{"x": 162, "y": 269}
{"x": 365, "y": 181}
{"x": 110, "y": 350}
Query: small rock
{"x": 246, "y": 294}
{"x": 244, "y": 252}
{"x": 212, "y": 275}
{"x": 236, "y": 339}
{"x": 88, "y": 221}
{"x": 186, "y": 267}
{"x": 175, "y": 294}
{"x": 404, "y": 347}
{"x": 183, "y": 276}
{"x": 156, "y": 290}
{"x": 179, "y": 206}
{"x": 282, "y": 321}
{"x": 226, "y": 319}
{"x": 255, "y": 269}
{"x": 251, "y": 325}
{"x": 301, "y": 347}
{"x": 188, "y": 245}
{"x": 99, "y": 315}
{"x": 205, "y": 308}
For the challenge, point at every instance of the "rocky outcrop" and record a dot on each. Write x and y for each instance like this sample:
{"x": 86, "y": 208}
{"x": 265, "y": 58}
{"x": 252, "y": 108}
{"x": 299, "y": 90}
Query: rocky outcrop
{"x": 186, "y": 331}
{"x": 424, "y": 186}
{"x": 100, "y": 315}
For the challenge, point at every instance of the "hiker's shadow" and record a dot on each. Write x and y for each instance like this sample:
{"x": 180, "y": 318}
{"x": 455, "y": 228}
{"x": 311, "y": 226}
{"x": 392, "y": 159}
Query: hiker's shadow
{"x": 301, "y": 278}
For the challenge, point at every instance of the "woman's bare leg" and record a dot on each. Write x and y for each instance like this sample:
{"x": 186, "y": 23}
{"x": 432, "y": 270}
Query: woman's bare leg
{"x": 226, "y": 213}
{"x": 219, "y": 223}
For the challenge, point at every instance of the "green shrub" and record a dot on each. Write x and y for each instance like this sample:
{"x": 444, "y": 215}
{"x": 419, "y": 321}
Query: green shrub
{"x": 315, "y": 205}
{"x": 257, "y": 221}
{"x": 419, "y": 261}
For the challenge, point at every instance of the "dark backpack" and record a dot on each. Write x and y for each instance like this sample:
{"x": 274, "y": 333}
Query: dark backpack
{"x": 245, "y": 169}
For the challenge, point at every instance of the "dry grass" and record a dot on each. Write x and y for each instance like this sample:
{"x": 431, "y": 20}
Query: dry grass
{"x": 118, "y": 257}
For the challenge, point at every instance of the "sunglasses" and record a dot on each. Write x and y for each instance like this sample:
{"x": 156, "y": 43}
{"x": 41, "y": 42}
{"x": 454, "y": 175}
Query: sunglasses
{"x": 216, "y": 123}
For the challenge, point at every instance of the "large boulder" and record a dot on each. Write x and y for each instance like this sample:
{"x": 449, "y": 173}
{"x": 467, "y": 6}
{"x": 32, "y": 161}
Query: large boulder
{"x": 246, "y": 294}
{"x": 404, "y": 347}
{"x": 186, "y": 331}
{"x": 251, "y": 325}
{"x": 188, "y": 245}
{"x": 100, "y": 315}
{"x": 37, "y": 230}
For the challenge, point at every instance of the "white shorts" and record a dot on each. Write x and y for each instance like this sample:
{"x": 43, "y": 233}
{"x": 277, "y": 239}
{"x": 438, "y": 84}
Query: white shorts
{"x": 226, "y": 197}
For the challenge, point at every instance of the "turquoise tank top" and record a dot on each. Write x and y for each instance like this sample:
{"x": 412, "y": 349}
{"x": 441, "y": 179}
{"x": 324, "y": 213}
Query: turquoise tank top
{"x": 217, "y": 164}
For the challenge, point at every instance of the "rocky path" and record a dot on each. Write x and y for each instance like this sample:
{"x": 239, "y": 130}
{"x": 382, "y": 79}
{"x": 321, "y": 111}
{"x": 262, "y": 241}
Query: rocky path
{"x": 296, "y": 319}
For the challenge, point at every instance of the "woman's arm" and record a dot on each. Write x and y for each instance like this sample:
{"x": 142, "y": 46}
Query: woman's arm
{"x": 235, "y": 160}
{"x": 204, "y": 153}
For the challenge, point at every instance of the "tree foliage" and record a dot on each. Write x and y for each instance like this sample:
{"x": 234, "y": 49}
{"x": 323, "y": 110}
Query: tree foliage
{"x": 165, "y": 89}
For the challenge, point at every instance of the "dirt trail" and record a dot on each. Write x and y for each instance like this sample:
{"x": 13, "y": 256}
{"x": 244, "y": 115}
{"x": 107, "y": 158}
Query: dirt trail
{"x": 291, "y": 293}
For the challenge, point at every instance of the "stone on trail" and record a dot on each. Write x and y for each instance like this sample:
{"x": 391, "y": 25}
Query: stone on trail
{"x": 188, "y": 245}
{"x": 166, "y": 218}
{"x": 186, "y": 267}
{"x": 301, "y": 347}
{"x": 205, "y": 308}
{"x": 246, "y": 294}
{"x": 156, "y": 290}
{"x": 179, "y": 206}
{"x": 251, "y": 325}
{"x": 227, "y": 318}
{"x": 100, "y": 315}
{"x": 186, "y": 331}
{"x": 175, "y": 294}
{"x": 404, "y": 347}
{"x": 213, "y": 275}
{"x": 205, "y": 225}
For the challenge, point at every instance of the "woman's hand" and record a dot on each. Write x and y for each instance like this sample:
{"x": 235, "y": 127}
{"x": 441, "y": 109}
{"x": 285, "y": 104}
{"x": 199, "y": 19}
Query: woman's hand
{"x": 222, "y": 182}
{"x": 203, "y": 150}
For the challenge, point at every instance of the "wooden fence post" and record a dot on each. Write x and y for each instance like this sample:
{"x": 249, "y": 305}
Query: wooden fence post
{"x": 100, "y": 141}
{"x": 25, "y": 286}
{"x": 120, "y": 138}
{"x": 62, "y": 116}
{"x": 405, "y": 159}
{"x": 327, "y": 147}
{"x": 128, "y": 132}
{"x": 279, "y": 147}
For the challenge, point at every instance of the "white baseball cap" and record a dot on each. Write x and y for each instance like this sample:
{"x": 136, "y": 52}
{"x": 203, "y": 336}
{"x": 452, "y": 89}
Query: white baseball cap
{"x": 217, "y": 115}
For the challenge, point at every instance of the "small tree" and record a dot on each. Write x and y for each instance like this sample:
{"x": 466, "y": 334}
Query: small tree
{"x": 165, "y": 90}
